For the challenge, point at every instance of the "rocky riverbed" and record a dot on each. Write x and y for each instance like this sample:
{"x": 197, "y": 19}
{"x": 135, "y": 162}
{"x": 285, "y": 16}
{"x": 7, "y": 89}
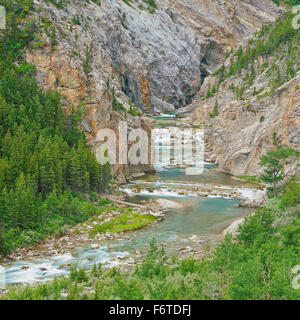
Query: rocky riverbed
{"x": 189, "y": 215}
{"x": 252, "y": 195}
{"x": 79, "y": 235}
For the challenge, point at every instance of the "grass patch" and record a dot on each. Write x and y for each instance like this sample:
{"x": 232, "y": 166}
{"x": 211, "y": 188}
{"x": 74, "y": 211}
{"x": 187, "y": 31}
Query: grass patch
{"x": 129, "y": 220}
{"x": 251, "y": 179}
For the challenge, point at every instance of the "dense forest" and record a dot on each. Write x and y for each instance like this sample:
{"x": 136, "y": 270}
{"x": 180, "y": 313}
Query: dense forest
{"x": 45, "y": 164}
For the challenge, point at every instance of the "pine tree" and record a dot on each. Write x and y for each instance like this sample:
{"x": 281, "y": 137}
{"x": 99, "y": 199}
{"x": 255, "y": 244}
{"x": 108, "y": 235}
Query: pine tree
{"x": 274, "y": 162}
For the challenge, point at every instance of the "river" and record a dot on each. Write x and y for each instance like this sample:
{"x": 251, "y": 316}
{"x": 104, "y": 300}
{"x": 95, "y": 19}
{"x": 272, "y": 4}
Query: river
{"x": 199, "y": 218}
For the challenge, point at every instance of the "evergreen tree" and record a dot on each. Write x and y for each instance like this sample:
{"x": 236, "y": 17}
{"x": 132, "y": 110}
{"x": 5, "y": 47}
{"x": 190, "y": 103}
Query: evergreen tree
{"x": 43, "y": 154}
{"x": 274, "y": 162}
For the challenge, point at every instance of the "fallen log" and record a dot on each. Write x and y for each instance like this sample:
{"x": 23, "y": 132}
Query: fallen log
{"x": 129, "y": 204}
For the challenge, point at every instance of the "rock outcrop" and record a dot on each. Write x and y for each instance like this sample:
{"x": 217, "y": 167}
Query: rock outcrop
{"x": 242, "y": 132}
{"x": 245, "y": 114}
{"x": 157, "y": 60}
{"x": 112, "y": 56}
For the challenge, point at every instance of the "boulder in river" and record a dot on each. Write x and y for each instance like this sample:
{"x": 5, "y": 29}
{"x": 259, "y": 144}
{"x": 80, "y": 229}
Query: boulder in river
{"x": 25, "y": 267}
{"x": 169, "y": 204}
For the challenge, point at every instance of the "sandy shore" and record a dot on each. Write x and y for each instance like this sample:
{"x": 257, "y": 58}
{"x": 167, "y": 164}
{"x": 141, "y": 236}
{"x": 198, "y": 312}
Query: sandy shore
{"x": 233, "y": 227}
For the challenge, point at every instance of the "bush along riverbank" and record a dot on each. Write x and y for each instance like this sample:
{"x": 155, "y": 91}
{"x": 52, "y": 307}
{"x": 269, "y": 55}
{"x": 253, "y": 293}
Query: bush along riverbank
{"x": 255, "y": 264}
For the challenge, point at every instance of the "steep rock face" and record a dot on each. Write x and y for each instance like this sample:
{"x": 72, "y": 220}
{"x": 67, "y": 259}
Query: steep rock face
{"x": 56, "y": 70}
{"x": 239, "y": 135}
{"x": 112, "y": 56}
{"x": 162, "y": 58}
{"x": 250, "y": 111}
{"x": 159, "y": 60}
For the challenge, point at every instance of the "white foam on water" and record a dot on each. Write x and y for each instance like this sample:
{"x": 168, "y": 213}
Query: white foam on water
{"x": 25, "y": 272}
{"x": 252, "y": 194}
{"x": 160, "y": 167}
{"x": 219, "y": 196}
{"x": 162, "y": 193}
{"x": 44, "y": 269}
{"x": 166, "y": 115}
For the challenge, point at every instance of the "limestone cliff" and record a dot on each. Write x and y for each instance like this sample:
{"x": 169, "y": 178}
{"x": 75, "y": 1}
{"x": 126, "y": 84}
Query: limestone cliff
{"x": 158, "y": 59}
{"x": 245, "y": 110}
{"x": 110, "y": 55}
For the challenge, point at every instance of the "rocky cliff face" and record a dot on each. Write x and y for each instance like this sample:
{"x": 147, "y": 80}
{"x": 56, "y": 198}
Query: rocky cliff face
{"x": 242, "y": 132}
{"x": 245, "y": 114}
{"x": 157, "y": 60}
{"x": 112, "y": 56}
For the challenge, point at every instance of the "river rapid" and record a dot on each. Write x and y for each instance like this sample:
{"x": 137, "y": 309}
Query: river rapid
{"x": 194, "y": 220}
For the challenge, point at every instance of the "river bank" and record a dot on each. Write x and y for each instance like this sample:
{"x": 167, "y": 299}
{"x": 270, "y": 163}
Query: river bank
{"x": 234, "y": 226}
{"x": 162, "y": 276}
{"x": 81, "y": 234}
{"x": 78, "y": 235}
{"x": 185, "y": 214}
{"x": 55, "y": 255}
{"x": 124, "y": 261}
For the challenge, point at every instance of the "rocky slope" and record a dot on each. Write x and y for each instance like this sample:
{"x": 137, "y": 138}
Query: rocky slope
{"x": 247, "y": 112}
{"x": 158, "y": 60}
{"x": 112, "y": 56}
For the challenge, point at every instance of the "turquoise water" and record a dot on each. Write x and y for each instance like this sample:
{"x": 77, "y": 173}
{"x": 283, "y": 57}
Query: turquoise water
{"x": 199, "y": 216}
{"x": 208, "y": 176}
{"x": 203, "y": 217}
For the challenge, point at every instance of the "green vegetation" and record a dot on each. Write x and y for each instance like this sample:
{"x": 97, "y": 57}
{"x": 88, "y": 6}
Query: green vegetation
{"x": 215, "y": 111}
{"x": 32, "y": 220}
{"x": 255, "y": 265}
{"x": 277, "y": 46}
{"x": 133, "y": 110}
{"x": 287, "y": 2}
{"x": 275, "y": 162}
{"x": 128, "y": 220}
{"x": 46, "y": 167}
{"x": 60, "y": 4}
{"x": 151, "y": 5}
{"x": 45, "y": 163}
{"x": 86, "y": 65}
{"x": 251, "y": 179}
{"x": 117, "y": 105}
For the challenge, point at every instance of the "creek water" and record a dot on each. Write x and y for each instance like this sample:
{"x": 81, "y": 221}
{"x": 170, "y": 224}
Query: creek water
{"x": 204, "y": 217}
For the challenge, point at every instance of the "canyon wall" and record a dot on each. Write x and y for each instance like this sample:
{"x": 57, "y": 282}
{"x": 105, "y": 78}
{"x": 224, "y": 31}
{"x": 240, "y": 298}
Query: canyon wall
{"x": 247, "y": 110}
{"x": 113, "y": 56}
